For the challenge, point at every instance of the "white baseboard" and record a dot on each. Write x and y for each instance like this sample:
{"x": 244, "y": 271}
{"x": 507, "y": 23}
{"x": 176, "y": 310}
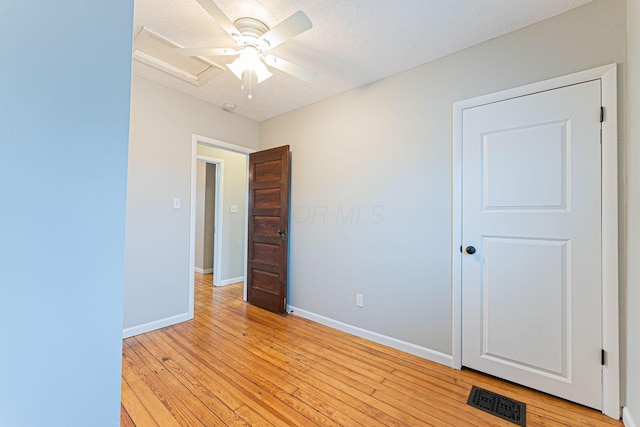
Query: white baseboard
{"x": 152, "y": 326}
{"x": 627, "y": 419}
{"x": 203, "y": 271}
{"x": 416, "y": 350}
{"x": 231, "y": 281}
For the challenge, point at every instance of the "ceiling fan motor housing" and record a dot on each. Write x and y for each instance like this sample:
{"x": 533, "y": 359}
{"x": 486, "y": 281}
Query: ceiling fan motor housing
{"x": 251, "y": 30}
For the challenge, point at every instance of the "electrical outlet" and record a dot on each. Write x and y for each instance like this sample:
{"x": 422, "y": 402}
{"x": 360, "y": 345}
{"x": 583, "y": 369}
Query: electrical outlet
{"x": 360, "y": 300}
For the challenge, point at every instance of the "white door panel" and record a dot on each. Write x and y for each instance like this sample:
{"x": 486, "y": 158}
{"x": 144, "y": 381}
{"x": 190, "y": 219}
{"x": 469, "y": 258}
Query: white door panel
{"x": 526, "y": 168}
{"x": 531, "y": 207}
{"x": 508, "y": 310}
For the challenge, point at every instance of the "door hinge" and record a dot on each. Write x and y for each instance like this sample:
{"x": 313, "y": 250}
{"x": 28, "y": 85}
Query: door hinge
{"x": 603, "y": 357}
{"x": 601, "y": 114}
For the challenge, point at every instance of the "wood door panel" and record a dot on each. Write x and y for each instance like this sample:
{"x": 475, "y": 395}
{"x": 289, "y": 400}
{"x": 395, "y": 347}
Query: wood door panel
{"x": 266, "y": 253}
{"x": 268, "y": 240}
{"x": 268, "y": 198}
{"x": 268, "y": 171}
{"x": 266, "y": 281}
{"x": 268, "y": 229}
{"x": 266, "y": 225}
{"x": 267, "y": 213}
{"x": 267, "y": 268}
{"x": 266, "y": 183}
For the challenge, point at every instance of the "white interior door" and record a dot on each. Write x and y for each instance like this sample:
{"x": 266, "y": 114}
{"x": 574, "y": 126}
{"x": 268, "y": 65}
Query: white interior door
{"x": 531, "y": 209}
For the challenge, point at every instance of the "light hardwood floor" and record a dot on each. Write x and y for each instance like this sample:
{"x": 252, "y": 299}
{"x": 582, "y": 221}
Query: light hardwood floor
{"x": 236, "y": 364}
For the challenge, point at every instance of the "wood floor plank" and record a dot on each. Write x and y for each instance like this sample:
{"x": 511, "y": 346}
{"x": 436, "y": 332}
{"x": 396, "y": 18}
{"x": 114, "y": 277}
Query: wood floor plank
{"x": 154, "y": 405}
{"x": 168, "y": 380}
{"x": 237, "y": 361}
{"x": 356, "y": 399}
{"x": 198, "y": 371}
{"x": 366, "y": 378}
{"x": 275, "y": 402}
{"x": 177, "y": 409}
{"x": 251, "y": 417}
{"x": 342, "y": 413}
{"x": 235, "y": 364}
{"x": 125, "y": 418}
{"x": 250, "y": 355}
{"x": 135, "y": 409}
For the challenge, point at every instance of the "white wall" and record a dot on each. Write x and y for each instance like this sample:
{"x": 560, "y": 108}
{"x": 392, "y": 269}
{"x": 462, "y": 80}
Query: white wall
{"x": 632, "y": 300}
{"x": 234, "y": 192}
{"x": 156, "y": 276}
{"x": 64, "y": 114}
{"x": 383, "y": 153}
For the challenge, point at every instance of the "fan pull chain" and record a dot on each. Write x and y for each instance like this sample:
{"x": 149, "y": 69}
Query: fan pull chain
{"x": 247, "y": 75}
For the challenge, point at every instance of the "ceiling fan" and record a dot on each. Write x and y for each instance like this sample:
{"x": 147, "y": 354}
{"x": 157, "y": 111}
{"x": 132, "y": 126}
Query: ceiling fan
{"x": 254, "y": 40}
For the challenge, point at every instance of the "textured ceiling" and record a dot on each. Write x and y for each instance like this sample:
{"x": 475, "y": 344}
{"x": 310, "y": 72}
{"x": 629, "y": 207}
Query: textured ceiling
{"x": 352, "y": 42}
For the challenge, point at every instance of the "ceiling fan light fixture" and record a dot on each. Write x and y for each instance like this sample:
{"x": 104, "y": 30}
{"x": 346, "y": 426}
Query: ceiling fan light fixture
{"x": 237, "y": 68}
{"x": 262, "y": 72}
{"x": 250, "y": 57}
{"x": 249, "y": 60}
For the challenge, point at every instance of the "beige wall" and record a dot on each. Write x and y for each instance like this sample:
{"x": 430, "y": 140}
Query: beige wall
{"x": 156, "y": 272}
{"x": 209, "y": 216}
{"x": 631, "y": 298}
{"x": 201, "y": 182}
{"x": 205, "y": 216}
{"x": 371, "y": 174}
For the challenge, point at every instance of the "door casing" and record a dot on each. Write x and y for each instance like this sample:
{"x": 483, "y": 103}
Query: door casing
{"x": 609, "y": 175}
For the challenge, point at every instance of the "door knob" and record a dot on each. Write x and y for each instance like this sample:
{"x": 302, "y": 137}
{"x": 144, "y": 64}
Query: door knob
{"x": 470, "y": 250}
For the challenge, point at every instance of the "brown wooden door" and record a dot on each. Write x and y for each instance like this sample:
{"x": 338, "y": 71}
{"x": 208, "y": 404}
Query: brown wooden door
{"x": 268, "y": 229}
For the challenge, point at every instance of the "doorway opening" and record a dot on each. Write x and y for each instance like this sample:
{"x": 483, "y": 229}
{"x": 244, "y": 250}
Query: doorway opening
{"x": 209, "y": 199}
{"x": 228, "y": 165}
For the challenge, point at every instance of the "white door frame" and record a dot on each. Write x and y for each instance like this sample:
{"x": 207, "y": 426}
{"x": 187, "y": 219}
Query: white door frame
{"x": 610, "y": 317}
{"x": 217, "y": 217}
{"x": 215, "y": 143}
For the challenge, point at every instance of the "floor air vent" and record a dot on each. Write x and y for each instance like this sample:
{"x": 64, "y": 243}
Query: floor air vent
{"x": 500, "y": 406}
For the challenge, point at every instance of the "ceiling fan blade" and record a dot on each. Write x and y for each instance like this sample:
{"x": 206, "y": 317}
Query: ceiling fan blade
{"x": 212, "y": 8}
{"x": 292, "y": 26}
{"x": 206, "y": 51}
{"x": 290, "y": 68}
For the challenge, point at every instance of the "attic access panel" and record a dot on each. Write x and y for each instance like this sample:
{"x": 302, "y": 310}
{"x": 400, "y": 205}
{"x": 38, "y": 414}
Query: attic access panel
{"x": 158, "y": 52}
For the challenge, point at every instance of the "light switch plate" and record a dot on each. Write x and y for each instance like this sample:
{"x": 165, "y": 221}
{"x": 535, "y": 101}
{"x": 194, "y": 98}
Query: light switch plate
{"x": 176, "y": 203}
{"x": 234, "y": 208}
